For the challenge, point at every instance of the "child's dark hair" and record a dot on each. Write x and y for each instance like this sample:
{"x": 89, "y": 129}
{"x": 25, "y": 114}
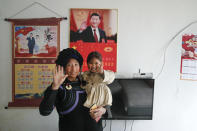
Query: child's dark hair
{"x": 94, "y": 54}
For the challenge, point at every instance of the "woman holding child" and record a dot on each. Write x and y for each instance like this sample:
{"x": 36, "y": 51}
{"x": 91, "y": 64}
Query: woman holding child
{"x": 66, "y": 94}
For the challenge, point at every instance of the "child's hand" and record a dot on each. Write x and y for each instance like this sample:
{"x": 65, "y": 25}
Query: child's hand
{"x": 58, "y": 77}
{"x": 97, "y": 113}
{"x": 100, "y": 68}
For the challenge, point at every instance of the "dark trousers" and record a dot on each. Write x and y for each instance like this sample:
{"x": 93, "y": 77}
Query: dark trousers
{"x": 81, "y": 122}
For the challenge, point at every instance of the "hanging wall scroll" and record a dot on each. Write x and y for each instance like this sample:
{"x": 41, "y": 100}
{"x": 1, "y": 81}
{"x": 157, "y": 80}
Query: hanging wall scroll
{"x": 35, "y": 45}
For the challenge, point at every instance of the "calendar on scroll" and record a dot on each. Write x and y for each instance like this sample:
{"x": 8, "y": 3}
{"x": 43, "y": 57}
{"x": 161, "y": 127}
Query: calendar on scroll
{"x": 32, "y": 79}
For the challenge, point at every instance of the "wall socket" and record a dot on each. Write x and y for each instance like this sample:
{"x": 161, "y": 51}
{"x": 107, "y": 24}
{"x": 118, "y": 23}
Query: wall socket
{"x": 143, "y": 75}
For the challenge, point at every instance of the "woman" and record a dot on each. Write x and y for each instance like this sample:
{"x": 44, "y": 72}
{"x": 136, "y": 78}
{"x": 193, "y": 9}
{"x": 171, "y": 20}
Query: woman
{"x": 66, "y": 94}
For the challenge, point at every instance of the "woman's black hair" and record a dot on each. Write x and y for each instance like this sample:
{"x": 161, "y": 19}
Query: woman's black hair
{"x": 94, "y": 54}
{"x": 66, "y": 54}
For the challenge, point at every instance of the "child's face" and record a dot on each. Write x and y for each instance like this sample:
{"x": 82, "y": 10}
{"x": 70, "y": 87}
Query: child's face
{"x": 94, "y": 65}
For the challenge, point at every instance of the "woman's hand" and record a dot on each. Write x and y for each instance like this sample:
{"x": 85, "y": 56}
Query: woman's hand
{"x": 97, "y": 113}
{"x": 58, "y": 77}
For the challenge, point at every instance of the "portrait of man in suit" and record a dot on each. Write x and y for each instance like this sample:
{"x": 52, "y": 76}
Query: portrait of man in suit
{"x": 93, "y": 25}
{"x": 92, "y": 33}
{"x": 31, "y": 43}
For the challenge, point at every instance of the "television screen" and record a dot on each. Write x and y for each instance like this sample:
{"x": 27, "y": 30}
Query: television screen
{"x": 132, "y": 99}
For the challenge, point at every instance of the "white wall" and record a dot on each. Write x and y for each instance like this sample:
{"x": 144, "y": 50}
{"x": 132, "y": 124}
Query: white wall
{"x": 145, "y": 29}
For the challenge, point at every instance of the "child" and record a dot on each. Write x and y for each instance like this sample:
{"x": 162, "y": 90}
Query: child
{"x": 98, "y": 94}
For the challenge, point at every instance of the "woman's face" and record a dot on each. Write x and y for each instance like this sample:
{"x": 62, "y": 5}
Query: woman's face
{"x": 72, "y": 69}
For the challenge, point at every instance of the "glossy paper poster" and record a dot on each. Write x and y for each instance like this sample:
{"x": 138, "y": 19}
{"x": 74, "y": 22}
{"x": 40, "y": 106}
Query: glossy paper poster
{"x": 95, "y": 30}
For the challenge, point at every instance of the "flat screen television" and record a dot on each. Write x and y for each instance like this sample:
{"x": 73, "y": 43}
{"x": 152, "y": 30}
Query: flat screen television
{"x": 132, "y": 99}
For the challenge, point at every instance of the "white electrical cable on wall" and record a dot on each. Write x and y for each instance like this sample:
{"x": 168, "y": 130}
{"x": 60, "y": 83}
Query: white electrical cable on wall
{"x": 169, "y": 43}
